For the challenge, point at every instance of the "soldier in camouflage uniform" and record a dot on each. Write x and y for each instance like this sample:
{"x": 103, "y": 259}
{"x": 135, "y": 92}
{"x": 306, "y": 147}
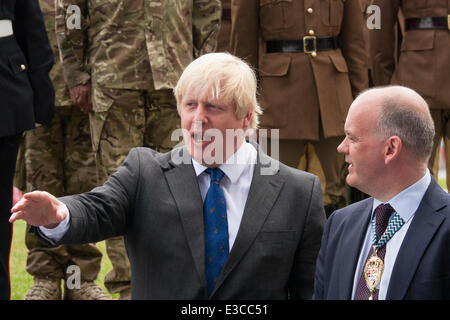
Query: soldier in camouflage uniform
{"x": 59, "y": 159}
{"x": 129, "y": 55}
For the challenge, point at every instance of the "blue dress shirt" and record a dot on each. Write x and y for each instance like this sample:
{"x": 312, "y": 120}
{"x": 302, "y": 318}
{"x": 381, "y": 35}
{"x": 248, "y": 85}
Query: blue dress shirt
{"x": 405, "y": 204}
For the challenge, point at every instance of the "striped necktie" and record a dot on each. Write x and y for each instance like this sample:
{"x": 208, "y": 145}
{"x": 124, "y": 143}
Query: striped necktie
{"x": 382, "y": 214}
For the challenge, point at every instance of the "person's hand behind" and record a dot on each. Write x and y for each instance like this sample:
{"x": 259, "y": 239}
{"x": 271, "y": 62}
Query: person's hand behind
{"x": 81, "y": 96}
{"x": 39, "y": 208}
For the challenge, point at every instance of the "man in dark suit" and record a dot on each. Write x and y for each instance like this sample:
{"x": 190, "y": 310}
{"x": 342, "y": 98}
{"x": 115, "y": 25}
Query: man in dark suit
{"x": 26, "y": 95}
{"x": 216, "y": 218}
{"x": 393, "y": 245}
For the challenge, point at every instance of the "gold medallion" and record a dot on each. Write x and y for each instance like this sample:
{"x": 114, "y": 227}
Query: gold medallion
{"x": 373, "y": 271}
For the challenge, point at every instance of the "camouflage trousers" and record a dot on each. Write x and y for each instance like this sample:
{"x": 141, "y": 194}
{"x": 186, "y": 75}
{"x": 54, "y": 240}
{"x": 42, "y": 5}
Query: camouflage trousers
{"x": 321, "y": 159}
{"x": 442, "y": 131}
{"x": 123, "y": 119}
{"x": 59, "y": 159}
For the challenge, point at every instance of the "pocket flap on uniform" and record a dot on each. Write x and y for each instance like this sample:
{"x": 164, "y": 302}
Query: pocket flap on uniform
{"x": 275, "y": 65}
{"x": 339, "y": 62}
{"x": 17, "y": 62}
{"x": 417, "y": 40}
{"x": 101, "y": 102}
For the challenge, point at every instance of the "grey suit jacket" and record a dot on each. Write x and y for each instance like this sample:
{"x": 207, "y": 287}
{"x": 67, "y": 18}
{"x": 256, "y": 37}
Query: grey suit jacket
{"x": 156, "y": 204}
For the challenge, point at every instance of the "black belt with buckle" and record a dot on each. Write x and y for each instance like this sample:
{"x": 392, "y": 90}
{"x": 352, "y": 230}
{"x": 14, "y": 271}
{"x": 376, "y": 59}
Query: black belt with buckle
{"x": 308, "y": 44}
{"x": 427, "y": 23}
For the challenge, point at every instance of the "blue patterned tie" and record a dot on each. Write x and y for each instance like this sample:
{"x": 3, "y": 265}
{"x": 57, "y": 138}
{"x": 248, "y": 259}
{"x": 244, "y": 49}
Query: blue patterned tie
{"x": 216, "y": 229}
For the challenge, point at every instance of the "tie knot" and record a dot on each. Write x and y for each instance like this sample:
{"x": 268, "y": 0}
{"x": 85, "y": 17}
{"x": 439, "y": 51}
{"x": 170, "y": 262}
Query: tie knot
{"x": 216, "y": 174}
{"x": 382, "y": 214}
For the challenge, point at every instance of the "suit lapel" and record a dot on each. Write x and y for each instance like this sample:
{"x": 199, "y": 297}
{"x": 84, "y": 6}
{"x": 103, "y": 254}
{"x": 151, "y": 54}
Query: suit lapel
{"x": 351, "y": 248}
{"x": 262, "y": 195}
{"x": 424, "y": 225}
{"x": 185, "y": 190}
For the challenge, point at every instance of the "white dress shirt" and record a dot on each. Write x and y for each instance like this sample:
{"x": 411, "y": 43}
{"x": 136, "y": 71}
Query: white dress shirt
{"x": 405, "y": 204}
{"x": 235, "y": 185}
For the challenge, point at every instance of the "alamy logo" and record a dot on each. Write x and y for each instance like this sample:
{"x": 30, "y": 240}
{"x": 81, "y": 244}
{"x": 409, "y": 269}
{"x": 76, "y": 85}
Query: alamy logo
{"x": 73, "y": 17}
{"x": 74, "y": 280}
{"x": 374, "y": 20}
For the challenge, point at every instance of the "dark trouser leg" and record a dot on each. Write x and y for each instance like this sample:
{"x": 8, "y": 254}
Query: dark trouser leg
{"x": 9, "y": 147}
{"x": 442, "y": 130}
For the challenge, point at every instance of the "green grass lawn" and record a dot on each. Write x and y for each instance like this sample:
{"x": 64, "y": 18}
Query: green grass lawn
{"x": 21, "y": 280}
{"x": 442, "y": 183}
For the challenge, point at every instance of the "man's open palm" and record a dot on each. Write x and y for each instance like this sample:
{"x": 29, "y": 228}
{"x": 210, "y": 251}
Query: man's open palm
{"x": 39, "y": 208}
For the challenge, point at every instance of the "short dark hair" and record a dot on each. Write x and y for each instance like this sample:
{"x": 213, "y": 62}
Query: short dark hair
{"x": 414, "y": 127}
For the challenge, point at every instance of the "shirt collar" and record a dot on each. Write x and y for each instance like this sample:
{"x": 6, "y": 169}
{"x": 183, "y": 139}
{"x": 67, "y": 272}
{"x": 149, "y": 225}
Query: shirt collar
{"x": 235, "y": 165}
{"x": 406, "y": 202}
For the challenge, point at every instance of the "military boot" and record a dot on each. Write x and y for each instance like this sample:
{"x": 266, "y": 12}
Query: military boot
{"x": 88, "y": 290}
{"x": 125, "y": 294}
{"x": 45, "y": 289}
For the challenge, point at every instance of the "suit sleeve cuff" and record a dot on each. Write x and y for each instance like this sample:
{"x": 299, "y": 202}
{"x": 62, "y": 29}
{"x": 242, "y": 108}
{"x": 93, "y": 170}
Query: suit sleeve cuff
{"x": 60, "y": 230}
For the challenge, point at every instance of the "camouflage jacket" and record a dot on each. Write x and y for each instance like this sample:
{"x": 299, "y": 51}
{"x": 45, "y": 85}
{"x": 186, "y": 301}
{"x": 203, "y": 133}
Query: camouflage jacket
{"x": 62, "y": 97}
{"x": 133, "y": 44}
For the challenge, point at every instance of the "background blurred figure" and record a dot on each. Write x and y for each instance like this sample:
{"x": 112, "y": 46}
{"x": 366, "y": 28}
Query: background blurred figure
{"x": 367, "y": 12}
{"x": 354, "y": 194}
{"x": 364, "y": 6}
{"x": 26, "y": 95}
{"x": 423, "y": 61}
{"x": 223, "y": 39}
{"x": 310, "y": 57}
{"x": 59, "y": 159}
{"x": 130, "y": 54}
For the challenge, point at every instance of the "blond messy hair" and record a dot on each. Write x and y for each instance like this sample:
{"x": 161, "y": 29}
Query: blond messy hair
{"x": 224, "y": 76}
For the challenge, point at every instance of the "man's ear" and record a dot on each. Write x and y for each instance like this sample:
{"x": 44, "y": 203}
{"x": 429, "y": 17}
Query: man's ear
{"x": 393, "y": 148}
{"x": 247, "y": 120}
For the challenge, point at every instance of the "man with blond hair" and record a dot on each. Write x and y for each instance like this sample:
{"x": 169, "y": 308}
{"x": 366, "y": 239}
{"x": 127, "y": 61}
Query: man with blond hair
{"x": 215, "y": 218}
{"x": 393, "y": 245}
{"x": 128, "y": 55}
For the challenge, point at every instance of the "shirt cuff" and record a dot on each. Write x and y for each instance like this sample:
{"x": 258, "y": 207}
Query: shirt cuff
{"x": 60, "y": 230}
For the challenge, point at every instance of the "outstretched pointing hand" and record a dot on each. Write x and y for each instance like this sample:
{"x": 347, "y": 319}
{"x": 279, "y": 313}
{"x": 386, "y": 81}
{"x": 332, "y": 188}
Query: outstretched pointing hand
{"x": 39, "y": 208}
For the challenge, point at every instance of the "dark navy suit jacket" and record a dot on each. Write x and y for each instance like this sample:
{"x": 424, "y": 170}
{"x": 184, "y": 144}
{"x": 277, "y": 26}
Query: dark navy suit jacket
{"x": 26, "y": 91}
{"x": 422, "y": 268}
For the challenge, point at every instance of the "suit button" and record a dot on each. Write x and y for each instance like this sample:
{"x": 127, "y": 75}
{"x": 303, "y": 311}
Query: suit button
{"x": 310, "y": 10}
{"x": 311, "y": 32}
{"x": 22, "y": 67}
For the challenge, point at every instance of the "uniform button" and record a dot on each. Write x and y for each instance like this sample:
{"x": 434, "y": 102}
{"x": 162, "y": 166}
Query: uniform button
{"x": 310, "y": 10}
{"x": 22, "y": 66}
{"x": 311, "y": 32}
